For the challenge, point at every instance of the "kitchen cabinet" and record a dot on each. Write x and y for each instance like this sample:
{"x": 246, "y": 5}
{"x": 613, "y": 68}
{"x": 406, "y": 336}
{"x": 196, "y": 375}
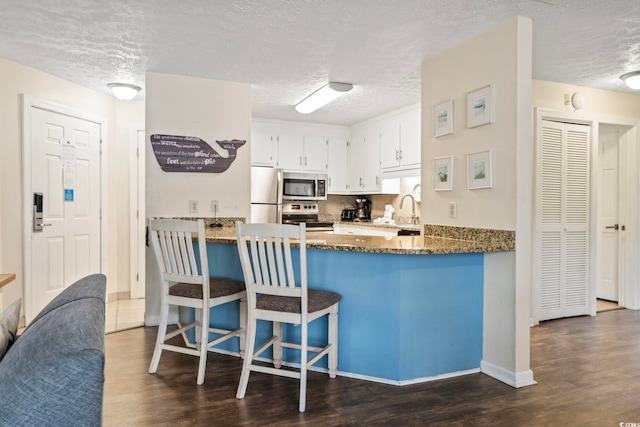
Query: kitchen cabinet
{"x": 315, "y": 156}
{"x": 364, "y": 162}
{"x": 338, "y": 165}
{"x": 400, "y": 141}
{"x": 264, "y": 149}
{"x": 290, "y": 152}
{"x": 302, "y": 153}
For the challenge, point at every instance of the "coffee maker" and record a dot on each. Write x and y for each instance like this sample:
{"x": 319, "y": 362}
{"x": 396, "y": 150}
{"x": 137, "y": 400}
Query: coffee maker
{"x": 363, "y": 209}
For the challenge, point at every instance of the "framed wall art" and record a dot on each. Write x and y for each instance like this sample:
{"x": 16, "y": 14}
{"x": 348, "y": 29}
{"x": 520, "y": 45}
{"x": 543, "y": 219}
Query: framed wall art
{"x": 480, "y": 170}
{"x": 443, "y": 173}
{"x": 443, "y": 118}
{"x": 480, "y": 107}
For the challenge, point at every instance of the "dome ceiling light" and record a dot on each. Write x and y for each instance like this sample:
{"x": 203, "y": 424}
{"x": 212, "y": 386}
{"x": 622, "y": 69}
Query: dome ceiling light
{"x": 632, "y": 79}
{"x": 124, "y": 91}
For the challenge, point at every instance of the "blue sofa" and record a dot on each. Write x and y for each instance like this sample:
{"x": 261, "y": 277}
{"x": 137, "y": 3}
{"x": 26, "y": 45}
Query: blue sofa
{"x": 53, "y": 374}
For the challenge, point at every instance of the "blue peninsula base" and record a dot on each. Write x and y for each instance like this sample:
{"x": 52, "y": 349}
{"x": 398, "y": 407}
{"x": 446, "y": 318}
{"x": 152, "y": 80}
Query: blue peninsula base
{"x": 403, "y": 318}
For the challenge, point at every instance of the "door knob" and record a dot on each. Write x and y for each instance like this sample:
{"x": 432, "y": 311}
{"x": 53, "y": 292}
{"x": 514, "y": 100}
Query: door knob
{"x": 614, "y": 226}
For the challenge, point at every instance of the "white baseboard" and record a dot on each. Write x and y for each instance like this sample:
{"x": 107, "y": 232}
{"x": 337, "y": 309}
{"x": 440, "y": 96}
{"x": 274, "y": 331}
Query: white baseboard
{"x": 154, "y": 320}
{"x": 514, "y": 379}
{"x": 359, "y": 376}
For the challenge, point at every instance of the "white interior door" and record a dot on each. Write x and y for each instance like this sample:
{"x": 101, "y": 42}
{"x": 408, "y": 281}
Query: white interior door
{"x": 137, "y": 223}
{"x": 562, "y": 267}
{"x": 608, "y": 223}
{"x": 64, "y": 166}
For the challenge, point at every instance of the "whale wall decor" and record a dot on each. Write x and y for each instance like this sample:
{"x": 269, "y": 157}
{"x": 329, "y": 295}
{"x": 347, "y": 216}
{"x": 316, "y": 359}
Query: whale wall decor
{"x": 191, "y": 154}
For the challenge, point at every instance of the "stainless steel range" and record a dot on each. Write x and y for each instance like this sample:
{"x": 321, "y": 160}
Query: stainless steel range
{"x": 304, "y": 211}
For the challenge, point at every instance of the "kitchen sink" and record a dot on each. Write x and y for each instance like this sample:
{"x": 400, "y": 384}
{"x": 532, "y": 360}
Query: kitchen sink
{"x": 408, "y": 232}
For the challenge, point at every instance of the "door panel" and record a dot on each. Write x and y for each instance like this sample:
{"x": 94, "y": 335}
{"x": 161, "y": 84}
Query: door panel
{"x": 607, "y": 277}
{"x": 65, "y": 153}
{"x": 562, "y": 252}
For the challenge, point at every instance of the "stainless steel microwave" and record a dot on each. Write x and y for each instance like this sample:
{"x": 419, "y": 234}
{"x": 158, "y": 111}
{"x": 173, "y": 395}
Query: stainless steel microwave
{"x": 304, "y": 186}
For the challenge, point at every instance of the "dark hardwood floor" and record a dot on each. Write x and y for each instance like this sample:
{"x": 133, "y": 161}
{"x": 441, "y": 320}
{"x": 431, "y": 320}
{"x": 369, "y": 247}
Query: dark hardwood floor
{"x": 587, "y": 368}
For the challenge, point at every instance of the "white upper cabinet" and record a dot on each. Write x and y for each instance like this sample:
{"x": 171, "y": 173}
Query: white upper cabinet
{"x": 338, "y": 165}
{"x": 315, "y": 156}
{"x": 400, "y": 141}
{"x": 364, "y": 162}
{"x": 290, "y": 152}
{"x": 264, "y": 149}
{"x": 302, "y": 153}
{"x": 390, "y": 150}
{"x": 410, "y": 138}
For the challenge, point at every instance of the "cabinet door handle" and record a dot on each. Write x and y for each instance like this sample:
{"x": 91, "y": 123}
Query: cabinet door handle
{"x": 305, "y": 160}
{"x": 300, "y": 160}
{"x": 377, "y": 180}
{"x": 329, "y": 181}
{"x": 400, "y": 154}
{"x": 361, "y": 184}
{"x": 614, "y": 227}
{"x": 397, "y": 155}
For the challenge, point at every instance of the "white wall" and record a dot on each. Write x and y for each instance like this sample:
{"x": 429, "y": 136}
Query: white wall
{"x": 208, "y": 109}
{"x": 500, "y": 57}
{"x": 211, "y": 110}
{"x": 17, "y": 79}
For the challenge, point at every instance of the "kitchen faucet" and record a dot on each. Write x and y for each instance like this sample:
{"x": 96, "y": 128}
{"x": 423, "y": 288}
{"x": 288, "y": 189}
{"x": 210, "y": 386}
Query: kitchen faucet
{"x": 414, "y": 217}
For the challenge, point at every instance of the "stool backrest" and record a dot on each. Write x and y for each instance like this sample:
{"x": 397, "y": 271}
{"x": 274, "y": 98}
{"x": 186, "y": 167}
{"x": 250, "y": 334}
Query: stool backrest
{"x": 267, "y": 264}
{"x": 172, "y": 241}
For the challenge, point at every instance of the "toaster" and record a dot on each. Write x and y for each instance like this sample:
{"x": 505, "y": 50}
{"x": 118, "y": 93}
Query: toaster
{"x": 348, "y": 214}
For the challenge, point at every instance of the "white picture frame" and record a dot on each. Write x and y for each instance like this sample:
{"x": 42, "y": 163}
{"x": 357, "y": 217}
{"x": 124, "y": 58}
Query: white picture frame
{"x": 480, "y": 107}
{"x": 443, "y": 173}
{"x": 443, "y": 118}
{"x": 480, "y": 170}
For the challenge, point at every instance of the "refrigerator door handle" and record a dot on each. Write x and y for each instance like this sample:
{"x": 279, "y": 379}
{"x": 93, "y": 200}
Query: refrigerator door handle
{"x": 279, "y": 214}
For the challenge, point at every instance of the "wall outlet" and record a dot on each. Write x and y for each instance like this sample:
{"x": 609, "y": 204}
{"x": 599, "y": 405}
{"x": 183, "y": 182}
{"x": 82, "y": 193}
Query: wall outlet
{"x": 214, "y": 206}
{"x": 453, "y": 211}
{"x": 193, "y": 206}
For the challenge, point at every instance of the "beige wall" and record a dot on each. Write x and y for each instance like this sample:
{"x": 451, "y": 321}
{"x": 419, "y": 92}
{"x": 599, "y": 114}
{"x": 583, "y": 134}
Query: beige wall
{"x": 485, "y": 60}
{"x": 501, "y": 57}
{"x": 16, "y": 80}
{"x": 602, "y": 102}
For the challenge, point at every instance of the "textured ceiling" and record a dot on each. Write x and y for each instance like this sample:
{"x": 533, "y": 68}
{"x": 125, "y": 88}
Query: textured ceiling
{"x": 288, "y": 48}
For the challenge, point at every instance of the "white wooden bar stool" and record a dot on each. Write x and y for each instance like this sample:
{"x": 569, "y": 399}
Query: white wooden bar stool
{"x": 274, "y": 295}
{"x": 183, "y": 285}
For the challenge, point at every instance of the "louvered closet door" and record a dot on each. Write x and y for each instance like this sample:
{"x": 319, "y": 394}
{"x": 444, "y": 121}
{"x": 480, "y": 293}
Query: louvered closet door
{"x": 563, "y": 220}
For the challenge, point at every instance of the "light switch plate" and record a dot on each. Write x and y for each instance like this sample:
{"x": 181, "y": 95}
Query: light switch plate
{"x": 453, "y": 211}
{"x": 193, "y": 206}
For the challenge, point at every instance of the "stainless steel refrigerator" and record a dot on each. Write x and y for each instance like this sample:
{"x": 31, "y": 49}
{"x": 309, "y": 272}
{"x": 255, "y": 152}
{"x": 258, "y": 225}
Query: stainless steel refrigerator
{"x": 266, "y": 195}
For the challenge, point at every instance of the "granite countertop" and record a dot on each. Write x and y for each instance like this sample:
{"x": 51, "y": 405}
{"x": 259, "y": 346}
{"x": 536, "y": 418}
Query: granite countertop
{"x": 412, "y": 245}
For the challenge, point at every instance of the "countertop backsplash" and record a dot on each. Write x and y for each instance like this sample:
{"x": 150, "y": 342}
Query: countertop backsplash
{"x": 331, "y": 209}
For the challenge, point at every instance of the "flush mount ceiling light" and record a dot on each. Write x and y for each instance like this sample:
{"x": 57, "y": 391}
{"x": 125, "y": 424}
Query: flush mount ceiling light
{"x": 124, "y": 91}
{"x": 632, "y": 79}
{"x": 322, "y": 96}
